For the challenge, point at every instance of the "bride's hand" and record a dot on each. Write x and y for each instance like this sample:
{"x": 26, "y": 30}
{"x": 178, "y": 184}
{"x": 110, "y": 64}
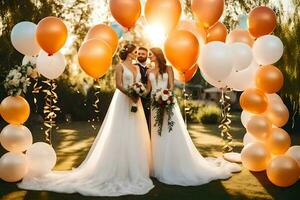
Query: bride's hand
{"x": 134, "y": 99}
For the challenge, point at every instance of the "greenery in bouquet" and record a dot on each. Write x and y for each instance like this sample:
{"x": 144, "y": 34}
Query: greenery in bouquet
{"x": 163, "y": 101}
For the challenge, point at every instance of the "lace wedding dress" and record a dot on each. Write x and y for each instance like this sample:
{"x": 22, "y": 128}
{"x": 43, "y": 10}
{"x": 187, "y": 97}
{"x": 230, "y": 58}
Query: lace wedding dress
{"x": 176, "y": 161}
{"x": 119, "y": 160}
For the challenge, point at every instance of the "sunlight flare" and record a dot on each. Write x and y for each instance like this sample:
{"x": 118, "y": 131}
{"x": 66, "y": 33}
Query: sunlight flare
{"x": 156, "y": 34}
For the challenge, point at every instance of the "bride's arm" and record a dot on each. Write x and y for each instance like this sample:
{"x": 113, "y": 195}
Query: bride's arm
{"x": 119, "y": 73}
{"x": 171, "y": 78}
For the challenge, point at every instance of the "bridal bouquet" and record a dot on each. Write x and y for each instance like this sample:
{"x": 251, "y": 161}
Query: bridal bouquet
{"x": 18, "y": 79}
{"x": 163, "y": 100}
{"x": 136, "y": 90}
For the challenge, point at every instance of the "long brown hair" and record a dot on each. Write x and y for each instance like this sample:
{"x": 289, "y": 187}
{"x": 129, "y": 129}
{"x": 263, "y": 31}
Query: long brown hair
{"x": 162, "y": 62}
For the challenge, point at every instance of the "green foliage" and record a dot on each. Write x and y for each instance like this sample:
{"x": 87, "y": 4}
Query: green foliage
{"x": 78, "y": 105}
{"x": 210, "y": 114}
{"x": 200, "y": 112}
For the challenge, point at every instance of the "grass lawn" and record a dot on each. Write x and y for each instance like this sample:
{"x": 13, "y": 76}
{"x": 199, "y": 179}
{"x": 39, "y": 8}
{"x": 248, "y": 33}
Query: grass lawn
{"x": 72, "y": 142}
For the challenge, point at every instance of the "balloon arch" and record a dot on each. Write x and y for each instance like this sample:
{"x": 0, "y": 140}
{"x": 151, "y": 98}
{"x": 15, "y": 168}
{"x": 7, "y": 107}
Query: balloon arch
{"x": 241, "y": 60}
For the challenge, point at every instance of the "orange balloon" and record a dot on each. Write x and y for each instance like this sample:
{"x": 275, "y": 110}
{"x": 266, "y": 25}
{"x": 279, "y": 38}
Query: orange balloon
{"x": 95, "y": 57}
{"x": 51, "y": 34}
{"x": 269, "y": 79}
{"x": 239, "y": 35}
{"x": 283, "y": 171}
{"x": 182, "y": 49}
{"x": 163, "y": 13}
{"x": 255, "y": 156}
{"x": 208, "y": 12}
{"x": 15, "y": 109}
{"x": 126, "y": 12}
{"x": 194, "y": 28}
{"x": 261, "y": 21}
{"x": 188, "y": 75}
{"x": 259, "y": 126}
{"x": 277, "y": 113}
{"x": 279, "y": 141}
{"x": 217, "y": 32}
{"x": 106, "y": 33}
{"x": 253, "y": 100}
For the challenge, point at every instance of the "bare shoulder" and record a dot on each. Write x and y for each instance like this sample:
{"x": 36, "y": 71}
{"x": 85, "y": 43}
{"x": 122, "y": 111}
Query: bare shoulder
{"x": 119, "y": 67}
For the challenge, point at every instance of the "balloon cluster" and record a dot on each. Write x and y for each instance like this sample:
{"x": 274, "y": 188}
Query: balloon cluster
{"x": 41, "y": 44}
{"x": 266, "y": 144}
{"x": 16, "y": 138}
{"x": 95, "y": 54}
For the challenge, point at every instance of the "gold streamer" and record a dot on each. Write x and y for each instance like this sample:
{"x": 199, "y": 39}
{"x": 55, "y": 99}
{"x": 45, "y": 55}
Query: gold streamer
{"x": 36, "y": 90}
{"x": 185, "y": 98}
{"x": 226, "y": 121}
{"x": 96, "y": 103}
{"x": 50, "y": 108}
{"x": 97, "y": 96}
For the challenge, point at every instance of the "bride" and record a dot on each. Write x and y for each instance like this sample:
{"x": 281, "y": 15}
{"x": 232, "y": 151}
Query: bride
{"x": 176, "y": 161}
{"x": 118, "y": 162}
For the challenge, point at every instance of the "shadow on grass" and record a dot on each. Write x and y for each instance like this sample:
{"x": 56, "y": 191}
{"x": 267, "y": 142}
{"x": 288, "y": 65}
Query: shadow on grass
{"x": 212, "y": 191}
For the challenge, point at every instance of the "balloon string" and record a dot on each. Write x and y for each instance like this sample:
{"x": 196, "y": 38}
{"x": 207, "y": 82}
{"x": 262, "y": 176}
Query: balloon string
{"x": 185, "y": 99}
{"x": 96, "y": 103}
{"x": 184, "y": 103}
{"x": 50, "y": 108}
{"x": 107, "y": 11}
{"x": 226, "y": 121}
{"x": 36, "y": 90}
{"x": 293, "y": 119}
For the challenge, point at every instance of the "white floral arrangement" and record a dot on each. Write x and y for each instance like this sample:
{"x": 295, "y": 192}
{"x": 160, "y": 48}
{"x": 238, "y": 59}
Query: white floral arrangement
{"x": 18, "y": 79}
{"x": 136, "y": 90}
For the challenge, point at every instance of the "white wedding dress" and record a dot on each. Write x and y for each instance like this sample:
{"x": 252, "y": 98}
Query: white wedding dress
{"x": 119, "y": 160}
{"x": 176, "y": 161}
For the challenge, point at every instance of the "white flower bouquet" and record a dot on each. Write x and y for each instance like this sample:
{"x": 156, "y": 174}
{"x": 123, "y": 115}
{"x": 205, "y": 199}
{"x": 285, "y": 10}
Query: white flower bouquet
{"x": 163, "y": 101}
{"x": 136, "y": 90}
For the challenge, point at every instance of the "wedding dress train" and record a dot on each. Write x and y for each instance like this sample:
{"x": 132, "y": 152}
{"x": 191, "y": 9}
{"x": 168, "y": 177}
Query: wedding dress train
{"x": 119, "y": 160}
{"x": 176, "y": 161}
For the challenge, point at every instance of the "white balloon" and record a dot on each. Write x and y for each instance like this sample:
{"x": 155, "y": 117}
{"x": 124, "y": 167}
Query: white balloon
{"x": 16, "y": 138}
{"x": 13, "y": 166}
{"x": 274, "y": 98}
{"x": 216, "y": 60}
{"x": 51, "y": 66}
{"x": 248, "y": 138}
{"x": 23, "y": 38}
{"x": 245, "y": 117}
{"x": 41, "y": 158}
{"x": 29, "y": 59}
{"x": 267, "y": 49}
{"x": 242, "y": 80}
{"x": 242, "y": 55}
{"x": 294, "y": 152}
{"x": 217, "y": 84}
